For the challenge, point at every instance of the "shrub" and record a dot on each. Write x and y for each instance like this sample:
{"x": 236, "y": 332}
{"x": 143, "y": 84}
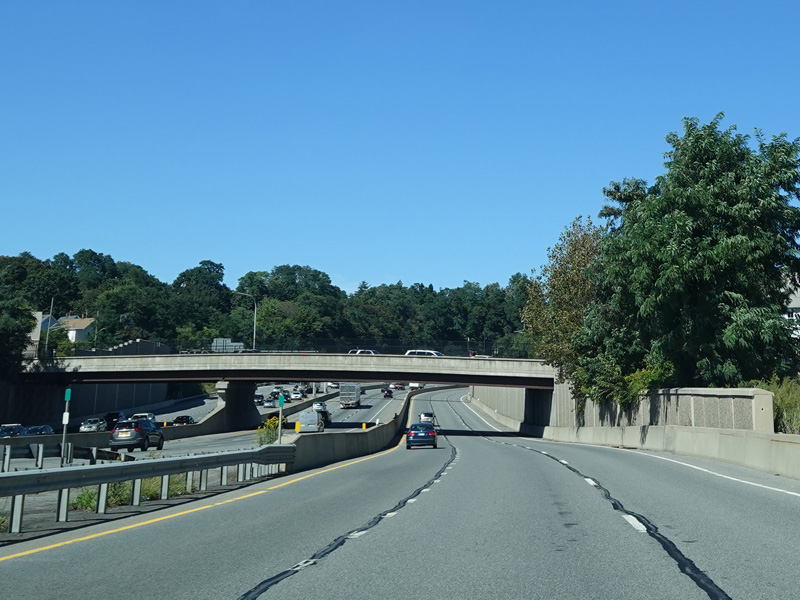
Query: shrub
{"x": 267, "y": 432}
{"x": 785, "y": 402}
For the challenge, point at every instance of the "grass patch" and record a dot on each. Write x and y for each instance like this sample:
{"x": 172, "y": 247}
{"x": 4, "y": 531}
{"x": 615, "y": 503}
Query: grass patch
{"x": 119, "y": 494}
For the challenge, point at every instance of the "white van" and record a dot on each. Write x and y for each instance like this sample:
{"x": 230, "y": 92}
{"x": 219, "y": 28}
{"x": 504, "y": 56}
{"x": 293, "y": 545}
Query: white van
{"x": 423, "y": 353}
{"x": 310, "y": 421}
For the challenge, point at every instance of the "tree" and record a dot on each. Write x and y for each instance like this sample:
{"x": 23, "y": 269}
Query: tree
{"x": 694, "y": 274}
{"x": 16, "y": 324}
{"x": 201, "y": 294}
{"x": 559, "y": 296}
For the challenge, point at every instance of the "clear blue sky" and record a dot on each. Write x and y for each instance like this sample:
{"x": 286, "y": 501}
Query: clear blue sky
{"x": 433, "y": 142}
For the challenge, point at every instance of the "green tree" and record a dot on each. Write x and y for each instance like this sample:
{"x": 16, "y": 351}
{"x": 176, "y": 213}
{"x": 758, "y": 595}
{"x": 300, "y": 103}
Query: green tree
{"x": 694, "y": 274}
{"x": 201, "y": 295}
{"x": 16, "y": 324}
{"x": 559, "y": 296}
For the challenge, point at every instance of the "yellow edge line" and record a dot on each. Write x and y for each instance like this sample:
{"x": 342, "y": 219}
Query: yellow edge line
{"x": 193, "y": 510}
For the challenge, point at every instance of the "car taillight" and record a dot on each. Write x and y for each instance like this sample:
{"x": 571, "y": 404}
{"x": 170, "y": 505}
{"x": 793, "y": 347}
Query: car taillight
{"x": 136, "y": 429}
{"x": 431, "y": 433}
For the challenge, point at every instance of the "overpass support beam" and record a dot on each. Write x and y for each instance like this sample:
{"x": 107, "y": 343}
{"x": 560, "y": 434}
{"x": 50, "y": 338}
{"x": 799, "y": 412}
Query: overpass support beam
{"x": 239, "y": 410}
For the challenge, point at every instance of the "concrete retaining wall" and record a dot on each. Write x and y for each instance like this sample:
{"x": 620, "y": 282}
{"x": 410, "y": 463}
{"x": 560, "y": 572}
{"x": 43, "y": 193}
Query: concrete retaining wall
{"x": 748, "y": 409}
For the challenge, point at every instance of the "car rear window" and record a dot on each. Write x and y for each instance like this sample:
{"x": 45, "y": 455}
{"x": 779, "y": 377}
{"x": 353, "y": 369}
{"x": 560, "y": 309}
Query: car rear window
{"x": 126, "y": 425}
{"x": 421, "y": 427}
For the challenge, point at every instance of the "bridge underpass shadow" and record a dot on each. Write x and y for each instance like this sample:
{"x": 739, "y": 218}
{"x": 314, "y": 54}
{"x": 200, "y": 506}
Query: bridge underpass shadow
{"x": 480, "y": 433}
{"x": 348, "y": 424}
{"x": 187, "y": 404}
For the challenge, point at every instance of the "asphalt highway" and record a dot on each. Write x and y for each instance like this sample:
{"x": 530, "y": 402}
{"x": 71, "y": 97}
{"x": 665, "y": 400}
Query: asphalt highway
{"x": 486, "y": 515}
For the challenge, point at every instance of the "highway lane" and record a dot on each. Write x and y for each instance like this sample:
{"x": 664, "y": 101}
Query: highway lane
{"x": 487, "y": 515}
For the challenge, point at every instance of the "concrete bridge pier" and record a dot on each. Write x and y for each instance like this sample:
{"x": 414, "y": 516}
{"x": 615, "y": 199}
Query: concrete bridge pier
{"x": 238, "y": 409}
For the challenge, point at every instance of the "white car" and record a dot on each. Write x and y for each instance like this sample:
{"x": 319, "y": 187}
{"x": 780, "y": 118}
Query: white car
{"x": 427, "y": 417}
{"x": 297, "y": 395}
{"x": 149, "y": 416}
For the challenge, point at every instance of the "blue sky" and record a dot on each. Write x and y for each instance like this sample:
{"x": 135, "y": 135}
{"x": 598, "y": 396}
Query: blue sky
{"x": 433, "y": 142}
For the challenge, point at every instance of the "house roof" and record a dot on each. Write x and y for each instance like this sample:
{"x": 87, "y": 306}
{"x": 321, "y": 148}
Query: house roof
{"x": 76, "y": 324}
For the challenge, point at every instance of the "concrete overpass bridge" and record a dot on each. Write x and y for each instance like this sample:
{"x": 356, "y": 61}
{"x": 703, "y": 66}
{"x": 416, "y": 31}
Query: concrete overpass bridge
{"x": 237, "y": 374}
{"x": 247, "y": 367}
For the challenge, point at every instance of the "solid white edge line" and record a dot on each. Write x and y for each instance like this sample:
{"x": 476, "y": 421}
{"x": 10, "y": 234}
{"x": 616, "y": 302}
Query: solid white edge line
{"x": 736, "y": 479}
{"x": 477, "y": 415}
{"x": 590, "y": 481}
{"x": 678, "y": 462}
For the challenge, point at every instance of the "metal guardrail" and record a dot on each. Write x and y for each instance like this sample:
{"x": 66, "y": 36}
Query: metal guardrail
{"x": 17, "y": 484}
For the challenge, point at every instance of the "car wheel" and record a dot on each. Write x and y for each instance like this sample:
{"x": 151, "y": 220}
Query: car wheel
{"x": 145, "y": 444}
{"x": 435, "y": 446}
{"x": 408, "y": 447}
{"x": 160, "y": 443}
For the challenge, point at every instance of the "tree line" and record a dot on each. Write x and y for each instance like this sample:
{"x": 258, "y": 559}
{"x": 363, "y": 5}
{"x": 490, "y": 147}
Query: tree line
{"x": 296, "y": 308}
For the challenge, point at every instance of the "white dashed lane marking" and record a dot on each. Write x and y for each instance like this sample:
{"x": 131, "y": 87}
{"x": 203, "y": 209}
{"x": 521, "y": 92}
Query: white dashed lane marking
{"x": 635, "y": 523}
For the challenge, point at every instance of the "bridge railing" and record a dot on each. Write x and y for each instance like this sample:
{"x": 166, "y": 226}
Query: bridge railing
{"x": 265, "y": 461}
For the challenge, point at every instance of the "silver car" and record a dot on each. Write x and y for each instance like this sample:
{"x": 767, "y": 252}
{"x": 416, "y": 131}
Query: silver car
{"x": 93, "y": 424}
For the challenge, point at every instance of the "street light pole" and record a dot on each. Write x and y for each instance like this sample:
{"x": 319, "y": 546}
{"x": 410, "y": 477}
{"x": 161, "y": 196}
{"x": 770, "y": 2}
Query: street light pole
{"x": 49, "y": 321}
{"x": 255, "y": 312}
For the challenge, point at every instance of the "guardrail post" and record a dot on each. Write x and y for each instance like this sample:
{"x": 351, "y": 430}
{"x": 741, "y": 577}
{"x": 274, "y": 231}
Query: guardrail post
{"x": 6, "y": 467}
{"x": 240, "y": 473}
{"x": 93, "y": 456}
{"x": 223, "y": 476}
{"x": 16, "y": 512}
{"x": 136, "y": 492}
{"x": 164, "y": 487}
{"x": 68, "y": 453}
{"x": 189, "y": 481}
{"x": 203, "y": 480}
{"x": 102, "y": 499}
{"x": 39, "y": 456}
{"x": 62, "y": 512}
